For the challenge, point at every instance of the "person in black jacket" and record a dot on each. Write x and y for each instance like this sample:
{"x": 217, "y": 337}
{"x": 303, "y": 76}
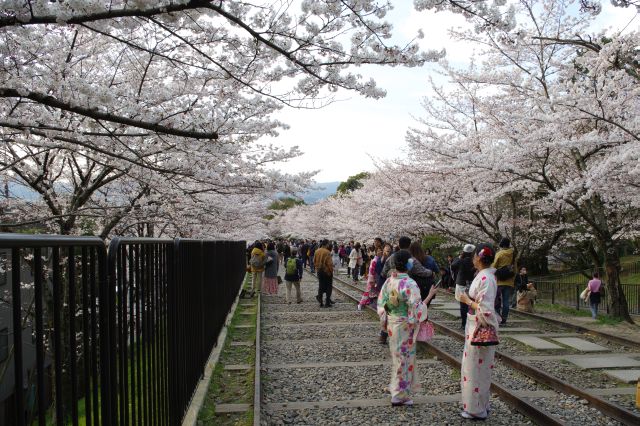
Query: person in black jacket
{"x": 286, "y": 252}
{"x": 420, "y": 273}
{"x": 521, "y": 282}
{"x": 464, "y": 272}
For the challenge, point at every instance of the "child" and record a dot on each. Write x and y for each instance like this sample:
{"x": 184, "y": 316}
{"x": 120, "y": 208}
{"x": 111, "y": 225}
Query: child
{"x": 526, "y": 298}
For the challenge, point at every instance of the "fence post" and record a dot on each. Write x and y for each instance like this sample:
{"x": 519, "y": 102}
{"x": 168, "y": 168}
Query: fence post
{"x": 105, "y": 338}
{"x": 553, "y": 293}
{"x": 204, "y": 350}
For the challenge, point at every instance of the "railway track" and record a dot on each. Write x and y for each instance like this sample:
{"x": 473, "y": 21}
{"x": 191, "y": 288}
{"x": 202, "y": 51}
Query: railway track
{"x": 324, "y": 366}
{"x": 518, "y": 364}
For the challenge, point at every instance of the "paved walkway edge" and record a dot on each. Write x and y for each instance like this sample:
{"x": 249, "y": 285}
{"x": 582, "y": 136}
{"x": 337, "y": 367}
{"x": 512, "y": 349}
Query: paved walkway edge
{"x": 257, "y": 396}
{"x": 201, "y": 390}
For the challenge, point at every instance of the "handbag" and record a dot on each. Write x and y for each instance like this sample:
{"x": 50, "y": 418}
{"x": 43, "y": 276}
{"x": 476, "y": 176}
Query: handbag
{"x": 585, "y": 294}
{"x": 484, "y": 335}
{"x": 425, "y": 332}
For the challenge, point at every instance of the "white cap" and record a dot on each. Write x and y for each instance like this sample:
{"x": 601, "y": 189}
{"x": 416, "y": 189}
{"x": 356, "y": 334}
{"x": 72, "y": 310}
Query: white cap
{"x": 469, "y": 248}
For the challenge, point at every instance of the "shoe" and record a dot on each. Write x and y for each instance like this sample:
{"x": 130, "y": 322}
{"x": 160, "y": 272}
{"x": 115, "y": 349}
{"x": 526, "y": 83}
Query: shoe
{"x": 382, "y": 340}
{"x": 503, "y": 322}
{"x": 466, "y": 415}
{"x": 299, "y": 301}
{"x": 330, "y": 302}
{"x": 319, "y": 299}
{"x": 396, "y": 402}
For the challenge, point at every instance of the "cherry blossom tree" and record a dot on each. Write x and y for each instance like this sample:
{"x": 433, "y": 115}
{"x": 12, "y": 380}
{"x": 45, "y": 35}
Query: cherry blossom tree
{"x": 169, "y": 98}
{"x": 536, "y": 140}
{"x": 546, "y": 116}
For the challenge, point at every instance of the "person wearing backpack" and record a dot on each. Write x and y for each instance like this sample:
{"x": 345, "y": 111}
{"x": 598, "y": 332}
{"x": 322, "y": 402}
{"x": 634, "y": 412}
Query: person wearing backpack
{"x": 256, "y": 263}
{"x": 504, "y": 276}
{"x": 293, "y": 275}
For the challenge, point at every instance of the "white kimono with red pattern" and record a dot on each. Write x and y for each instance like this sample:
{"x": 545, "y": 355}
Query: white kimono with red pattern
{"x": 478, "y": 361}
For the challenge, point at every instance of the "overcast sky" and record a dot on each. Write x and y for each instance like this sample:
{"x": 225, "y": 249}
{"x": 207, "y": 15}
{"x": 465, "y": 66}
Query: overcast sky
{"x": 348, "y": 136}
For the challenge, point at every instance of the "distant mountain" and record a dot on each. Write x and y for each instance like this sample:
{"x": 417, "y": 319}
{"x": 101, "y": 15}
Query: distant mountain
{"x": 23, "y": 192}
{"x": 321, "y": 191}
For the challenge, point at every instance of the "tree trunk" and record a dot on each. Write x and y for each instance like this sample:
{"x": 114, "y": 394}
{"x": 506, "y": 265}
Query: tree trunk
{"x": 616, "y": 300}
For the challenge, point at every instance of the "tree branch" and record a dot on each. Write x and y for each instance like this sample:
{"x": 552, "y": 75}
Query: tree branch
{"x": 97, "y": 115}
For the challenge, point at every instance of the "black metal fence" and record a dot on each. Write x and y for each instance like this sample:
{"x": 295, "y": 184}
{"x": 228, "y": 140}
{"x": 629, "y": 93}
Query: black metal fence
{"x": 568, "y": 294}
{"x": 117, "y": 337}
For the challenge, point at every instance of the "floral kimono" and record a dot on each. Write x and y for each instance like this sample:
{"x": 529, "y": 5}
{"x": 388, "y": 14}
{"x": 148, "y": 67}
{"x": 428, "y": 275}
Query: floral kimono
{"x": 477, "y": 361}
{"x": 370, "y": 294}
{"x": 400, "y": 304}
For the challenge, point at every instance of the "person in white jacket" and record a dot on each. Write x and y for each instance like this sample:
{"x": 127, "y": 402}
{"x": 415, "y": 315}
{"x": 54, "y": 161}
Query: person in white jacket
{"x": 355, "y": 260}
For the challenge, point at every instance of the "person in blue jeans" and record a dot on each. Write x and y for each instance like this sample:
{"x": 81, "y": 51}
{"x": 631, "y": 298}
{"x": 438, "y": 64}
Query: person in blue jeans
{"x": 594, "y": 294}
{"x": 503, "y": 259}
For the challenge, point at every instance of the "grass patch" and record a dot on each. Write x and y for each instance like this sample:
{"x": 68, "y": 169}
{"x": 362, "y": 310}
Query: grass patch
{"x": 228, "y": 419}
{"x": 608, "y": 320}
{"x": 233, "y": 387}
{"x": 455, "y": 374}
{"x": 603, "y": 319}
{"x": 627, "y": 274}
{"x": 562, "y": 309}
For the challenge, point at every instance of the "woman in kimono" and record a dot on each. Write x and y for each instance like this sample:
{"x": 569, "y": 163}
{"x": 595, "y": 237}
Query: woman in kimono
{"x": 400, "y": 306}
{"x": 370, "y": 295}
{"x": 478, "y": 361}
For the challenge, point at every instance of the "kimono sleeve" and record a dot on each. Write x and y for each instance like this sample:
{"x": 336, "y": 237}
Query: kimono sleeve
{"x": 417, "y": 311}
{"x": 383, "y": 298}
{"x": 485, "y": 296}
{"x": 371, "y": 280}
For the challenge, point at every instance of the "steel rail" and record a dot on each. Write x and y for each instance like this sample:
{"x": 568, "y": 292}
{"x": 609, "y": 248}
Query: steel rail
{"x": 538, "y": 415}
{"x": 612, "y": 410}
{"x": 581, "y": 329}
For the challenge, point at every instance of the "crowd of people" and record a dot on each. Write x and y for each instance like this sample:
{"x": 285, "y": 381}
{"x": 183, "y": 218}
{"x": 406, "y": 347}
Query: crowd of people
{"x": 401, "y": 279}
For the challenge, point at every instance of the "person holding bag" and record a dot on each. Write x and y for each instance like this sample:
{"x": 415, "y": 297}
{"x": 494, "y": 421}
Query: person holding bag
{"x": 401, "y": 307}
{"x": 481, "y": 336}
{"x": 594, "y": 294}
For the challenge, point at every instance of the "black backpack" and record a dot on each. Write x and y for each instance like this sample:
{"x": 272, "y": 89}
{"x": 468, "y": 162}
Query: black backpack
{"x": 505, "y": 273}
